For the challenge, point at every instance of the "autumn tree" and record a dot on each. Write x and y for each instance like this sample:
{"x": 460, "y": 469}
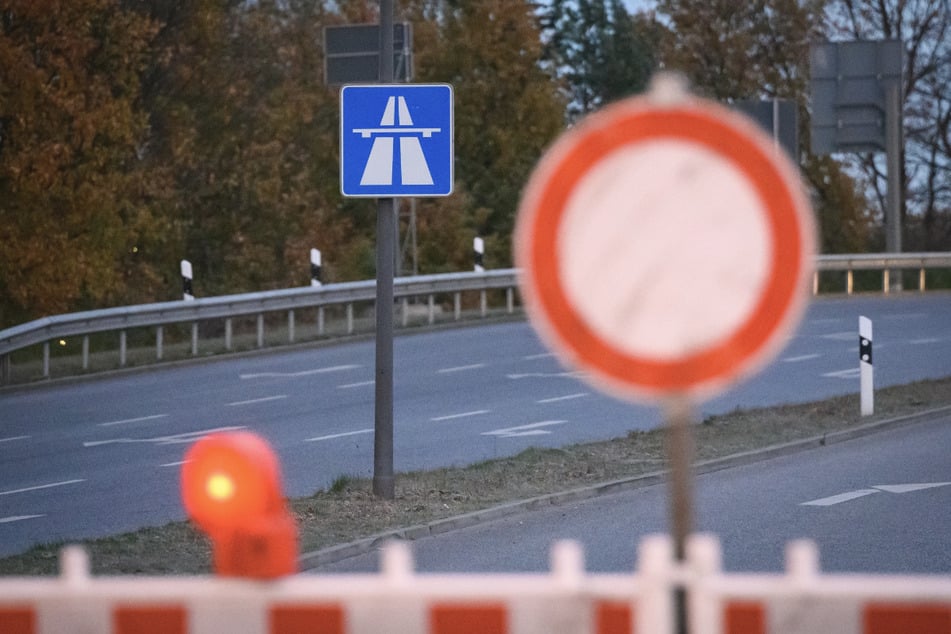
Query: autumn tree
{"x": 506, "y": 108}
{"x": 70, "y": 143}
{"x": 759, "y": 50}
{"x": 594, "y": 49}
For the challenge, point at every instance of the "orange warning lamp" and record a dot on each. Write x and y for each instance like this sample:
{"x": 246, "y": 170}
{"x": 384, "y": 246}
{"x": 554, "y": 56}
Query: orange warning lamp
{"x": 231, "y": 488}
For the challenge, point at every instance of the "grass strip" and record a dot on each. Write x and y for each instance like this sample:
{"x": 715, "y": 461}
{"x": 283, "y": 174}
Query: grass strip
{"x": 348, "y": 511}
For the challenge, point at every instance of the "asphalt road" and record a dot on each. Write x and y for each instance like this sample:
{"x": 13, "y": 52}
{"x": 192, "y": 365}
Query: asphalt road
{"x": 102, "y": 456}
{"x": 880, "y": 503}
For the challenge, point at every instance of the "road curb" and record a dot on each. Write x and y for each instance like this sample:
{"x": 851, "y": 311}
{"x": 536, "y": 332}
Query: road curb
{"x": 332, "y": 554}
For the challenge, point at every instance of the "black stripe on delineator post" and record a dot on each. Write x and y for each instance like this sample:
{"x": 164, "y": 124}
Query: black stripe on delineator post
{"x": 187, "y": 292}
{"x": 865, "y": 350}
{"x": 315, "y": 267}
{"x": 478, "y": 248}
{"x": 866, "y": 370}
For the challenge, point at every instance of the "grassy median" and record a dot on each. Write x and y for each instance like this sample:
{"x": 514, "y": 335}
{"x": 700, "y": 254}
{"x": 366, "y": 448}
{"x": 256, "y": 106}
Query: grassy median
{"x": 348, "y": 511}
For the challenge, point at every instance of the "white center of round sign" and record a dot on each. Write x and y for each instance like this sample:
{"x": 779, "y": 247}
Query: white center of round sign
{"x": 690, "y": 239}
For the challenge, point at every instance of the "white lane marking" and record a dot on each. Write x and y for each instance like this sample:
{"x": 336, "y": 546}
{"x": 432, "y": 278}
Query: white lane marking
{"x": 876, "y": 488}
{"x": 532, "y": 429}
{"x": 12, "y": 438}
{"x": 921, "y": 342}
{"x": 461, "y": 368}
{"x": 543, "y": 355}
{"x": 851, "y": 373}
{"x": 545, "y": 375}
{"x": 906, "y": 488}
{"x": 173, "y": 439}
{"x": 342, "y": 435}
{"x": 905, "y": 316}
{"x": 841, "y": 336}
{"x": 841, "y": 497}
{"x": 477, "y": 412}
{"x": 41, "y": 486}
{"x": 174, "y": 464}
{"x": 133, "y": 420}
{"x": 566, "y": 397}
{"x": 801, "y": 357}
{"x": 18, "y": 518}
{"x": 263, "y": 399}
{"x": 333, "y": 368}
{"x": 347, "y": 386}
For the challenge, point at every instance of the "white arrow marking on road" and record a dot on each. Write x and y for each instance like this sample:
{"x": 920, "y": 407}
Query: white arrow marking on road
{"x": 163, "y": 440}
{"x": 841, "y": 497}
{"x": 334, "y": 368}
{"x": 133, "y": 420}
{"x": 906, "y": 488}
{"x": 18, "y": 518}
{"x": 41, "y": 486}
{"x": 12, "y": 438}
{"x": 876, "y": 488}
{"x": 532, "y": 429}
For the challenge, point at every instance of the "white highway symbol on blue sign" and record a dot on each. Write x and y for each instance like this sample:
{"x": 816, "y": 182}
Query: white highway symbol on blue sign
{"x": 396, "y": 140}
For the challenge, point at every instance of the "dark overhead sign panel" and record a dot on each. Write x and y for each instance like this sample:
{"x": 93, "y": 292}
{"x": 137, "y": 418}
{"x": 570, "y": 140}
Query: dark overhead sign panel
{"x": 352, "y": 53}
{"x": 848, "y": 85}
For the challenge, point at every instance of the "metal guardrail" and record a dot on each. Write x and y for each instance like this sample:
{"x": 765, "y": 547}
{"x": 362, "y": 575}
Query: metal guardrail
{"x": 228, "y": 307}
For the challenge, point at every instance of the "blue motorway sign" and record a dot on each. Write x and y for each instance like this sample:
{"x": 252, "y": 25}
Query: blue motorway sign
{"x": 396, "y": 140}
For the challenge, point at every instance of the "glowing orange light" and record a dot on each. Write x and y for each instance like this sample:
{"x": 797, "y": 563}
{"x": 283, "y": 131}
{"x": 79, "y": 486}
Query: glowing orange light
{"x": 220, "y": 486}
{"x": 231, "y": 489}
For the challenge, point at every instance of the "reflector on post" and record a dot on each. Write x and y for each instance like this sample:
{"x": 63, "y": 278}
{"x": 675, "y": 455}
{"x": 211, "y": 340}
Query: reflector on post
{"x": 231, "y": 489}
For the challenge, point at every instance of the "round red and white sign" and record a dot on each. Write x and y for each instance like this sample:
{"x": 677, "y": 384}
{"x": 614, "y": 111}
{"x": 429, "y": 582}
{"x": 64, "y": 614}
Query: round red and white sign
{"x": 666, "y": 247}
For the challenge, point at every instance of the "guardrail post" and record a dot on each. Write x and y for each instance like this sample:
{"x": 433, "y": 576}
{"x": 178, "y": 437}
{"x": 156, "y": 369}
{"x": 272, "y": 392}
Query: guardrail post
{"x": 159, "y": 341}
{"x": 431, "y": 302}
{"x": 320, "y": 321}
{"x": 46, "y": 359}
{"x": 815, "y": 282}
{"x": 195, "y": 339}
{"x": 483, "y": 303}
{"x": 510, "y": 300}
{"x": 260, "y": 330}
{"x": 350, "y": 318}
{"x": 85, "y": 352}
{"x": 885, "y": 281}
{"x": 122, "y": 348}
{"x": 5, "y": 370}
{"x": 404, "y": 304}
{"x": 921, "y": 279}
{"x": 228, "y": 333}
{"x": 457, "y": 305}
{"x": 849, "y": 282}
{"x": 290, "y": 326}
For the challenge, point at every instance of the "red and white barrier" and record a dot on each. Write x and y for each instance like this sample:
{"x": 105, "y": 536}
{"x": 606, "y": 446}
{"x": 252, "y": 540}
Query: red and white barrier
{"x": 566, "y": 600}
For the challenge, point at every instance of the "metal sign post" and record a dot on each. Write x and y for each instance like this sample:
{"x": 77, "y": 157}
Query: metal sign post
{"x": 383, "y": 481}
{"x": 396, "y": 141}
